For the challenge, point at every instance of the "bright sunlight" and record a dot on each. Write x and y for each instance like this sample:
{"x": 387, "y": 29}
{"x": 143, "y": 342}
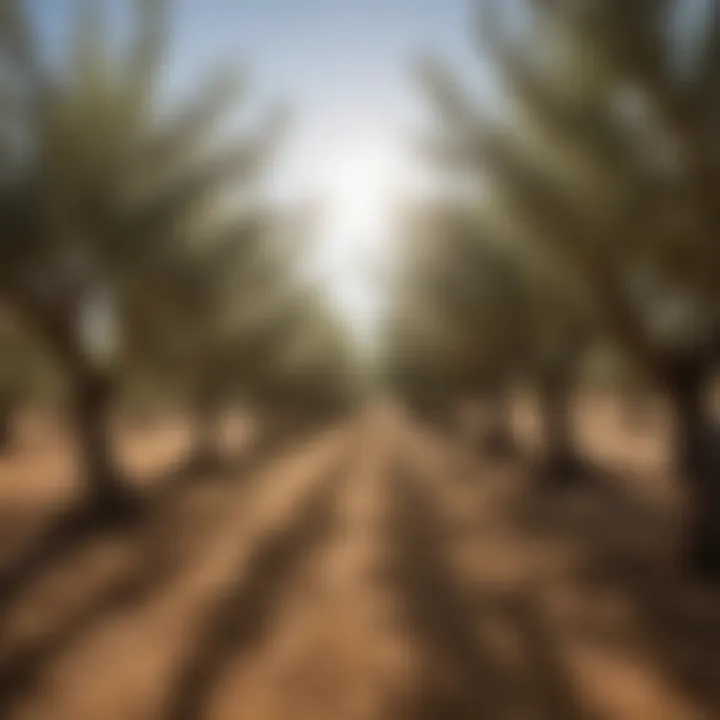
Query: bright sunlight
{"x": 358, "y": 184}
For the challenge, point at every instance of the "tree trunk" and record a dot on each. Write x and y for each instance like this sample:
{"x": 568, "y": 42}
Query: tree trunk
{"x": 698, "y": 458}
{"x": 6, "y": 426}
{"x": 278, "y": 423}
{"x": 206, "y": 455}
{"x": 637, "y": 409}
{"x": 105, "y": 490}
{"x": 497, "y": 438}
{"x": 90, "y": 400}
{"x": 436, "y": 412}
{"x": 445, "y": 417}
{"x": 561, "y": 465}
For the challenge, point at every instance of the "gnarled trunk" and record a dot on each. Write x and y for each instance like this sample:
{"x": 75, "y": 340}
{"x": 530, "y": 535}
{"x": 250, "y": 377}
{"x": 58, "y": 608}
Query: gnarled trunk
{"x": 6, "y": 425}
{"x": 561, "y": 464}
{"x": 206, "y": 453}
{"x": 437, "y": 412}
{"x": 91, "y": 395}
{"x": 277, "y": 423}
{"x": 637, "y": 409}
{"x": 104, "y": 487}
{"x": 698, "y": 454}
{"x": 497, "y": 438}
{"x": 444, "y": 417}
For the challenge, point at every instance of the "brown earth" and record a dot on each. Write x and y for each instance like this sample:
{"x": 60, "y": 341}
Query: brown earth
{"x": 369, "y": 571}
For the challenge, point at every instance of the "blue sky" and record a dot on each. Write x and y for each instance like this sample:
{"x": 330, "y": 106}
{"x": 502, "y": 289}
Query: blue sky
{"x": 344, "y": 67}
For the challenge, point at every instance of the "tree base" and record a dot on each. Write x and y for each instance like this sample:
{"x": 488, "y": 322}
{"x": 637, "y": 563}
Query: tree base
{"x": 498, "y": 445}
{"x": 115, "y": 503}
{"x": 638, "y": 420}
{"x": 206, "y": 461}
{"x": 702, "y": 558}
{"x": 563, "y": 471}
{"x": 6, "y": 439}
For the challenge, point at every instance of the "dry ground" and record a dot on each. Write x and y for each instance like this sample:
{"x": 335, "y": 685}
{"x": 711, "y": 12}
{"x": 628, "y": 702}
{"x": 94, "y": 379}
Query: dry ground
{"x": 371, "y": 571}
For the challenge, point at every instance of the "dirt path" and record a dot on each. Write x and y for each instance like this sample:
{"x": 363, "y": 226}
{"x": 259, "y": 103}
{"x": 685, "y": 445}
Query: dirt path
{"x": 529, "y": 606}
{"x": 373, "y": 572}
{"x": 101, "y": 634}
{"x": 333, "y": 651}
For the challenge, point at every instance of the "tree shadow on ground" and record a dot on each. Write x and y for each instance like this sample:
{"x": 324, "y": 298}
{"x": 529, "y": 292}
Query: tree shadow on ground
{"x": 623, "y": 553}
{"x": 242, "y": 616}
{"x": 155, "y": 561}
{"x": 237, "y": 465}
{"x": 465, "y": 674}
{"x": 70, "y": 529}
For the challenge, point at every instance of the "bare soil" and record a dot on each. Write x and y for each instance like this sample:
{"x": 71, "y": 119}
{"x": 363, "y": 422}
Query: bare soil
{"x": 373, "y": 570}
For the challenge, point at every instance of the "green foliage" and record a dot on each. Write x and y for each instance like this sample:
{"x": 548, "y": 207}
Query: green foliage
{"x": 608, "y": 152}
{"x": 596, "y": 161}
{"x": 116, "y": 198}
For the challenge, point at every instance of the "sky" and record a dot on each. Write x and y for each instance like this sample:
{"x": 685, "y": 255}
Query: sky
{"x": 344, "y": 67}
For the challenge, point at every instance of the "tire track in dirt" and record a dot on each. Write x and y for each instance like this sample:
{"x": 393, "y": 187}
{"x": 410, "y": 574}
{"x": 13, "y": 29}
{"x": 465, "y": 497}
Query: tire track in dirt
{"x": 483, "y": 646}
{"x": 237, "y": 626}
{"x": 334, "y": 654}
{"x": 455, "y": 677}
{"x": 520, "y": 602}
{"x": 136, "y": 656}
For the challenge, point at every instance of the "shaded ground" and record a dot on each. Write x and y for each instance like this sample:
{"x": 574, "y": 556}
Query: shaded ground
{"x": 374, "y": 570}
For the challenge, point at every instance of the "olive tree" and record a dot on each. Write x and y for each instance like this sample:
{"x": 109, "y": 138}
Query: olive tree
{"x": 102, "y": 185}
{"x": 607, "y": 146}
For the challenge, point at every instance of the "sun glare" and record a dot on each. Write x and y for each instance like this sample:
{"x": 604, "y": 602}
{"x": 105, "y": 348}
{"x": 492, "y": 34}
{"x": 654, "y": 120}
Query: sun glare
{"x": 358, "y": 183}
{"x": 360, "y": 188}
